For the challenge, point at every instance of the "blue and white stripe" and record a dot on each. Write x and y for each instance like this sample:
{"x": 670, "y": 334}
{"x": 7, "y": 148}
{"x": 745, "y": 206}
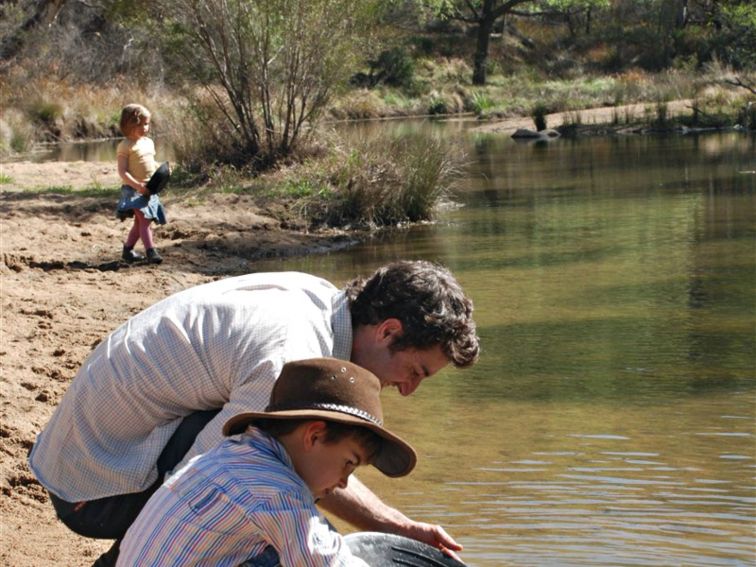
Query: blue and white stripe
{"x": 229, "y": 505}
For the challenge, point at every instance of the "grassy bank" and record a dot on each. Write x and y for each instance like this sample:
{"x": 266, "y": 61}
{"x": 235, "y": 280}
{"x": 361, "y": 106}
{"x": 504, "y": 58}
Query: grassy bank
{"x": 373, "y": 183}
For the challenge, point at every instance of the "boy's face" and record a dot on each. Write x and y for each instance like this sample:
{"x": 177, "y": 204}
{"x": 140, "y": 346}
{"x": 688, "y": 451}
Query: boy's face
{"x": 327, "y": 466}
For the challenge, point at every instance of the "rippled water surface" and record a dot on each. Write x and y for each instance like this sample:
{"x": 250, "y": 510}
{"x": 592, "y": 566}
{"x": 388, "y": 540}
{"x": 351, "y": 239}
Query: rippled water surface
{"x": 612, "y": 417}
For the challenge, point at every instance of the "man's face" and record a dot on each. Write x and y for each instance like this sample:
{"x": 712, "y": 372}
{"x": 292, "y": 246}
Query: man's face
{"x": 404, "y": 369}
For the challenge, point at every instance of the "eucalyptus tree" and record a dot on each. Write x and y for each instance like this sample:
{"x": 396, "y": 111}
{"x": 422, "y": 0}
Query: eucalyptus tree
{"x": 731, "y": 26}
{"x": 484, "y": 14}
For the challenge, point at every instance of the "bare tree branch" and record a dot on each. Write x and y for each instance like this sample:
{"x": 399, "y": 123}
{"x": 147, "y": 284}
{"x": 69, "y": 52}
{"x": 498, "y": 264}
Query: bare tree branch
{"x": 738, "y": 82}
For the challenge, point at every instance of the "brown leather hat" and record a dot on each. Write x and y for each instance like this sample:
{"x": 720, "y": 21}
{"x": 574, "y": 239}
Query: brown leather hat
{"x": 333, "y": 390}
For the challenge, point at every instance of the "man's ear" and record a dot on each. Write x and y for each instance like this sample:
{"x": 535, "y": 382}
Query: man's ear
{"x": 389, "y": 329}
{"x": 313, "y": 432}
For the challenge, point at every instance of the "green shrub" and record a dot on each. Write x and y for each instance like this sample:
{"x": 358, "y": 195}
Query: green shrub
{"x": 394, "y": 67}
{"x": 226, "y": 178}
{"x": 22, "y": 139}
{"x": 707, "y": 113}
{"x": 300, "y": 188}
{"x": 359, "y": 104}
{"x": 437, "y": 105}
{"x": 480, "y": 102}
{"x": 202, "y": 139}
{"x": 378, "y": 182}
{"x": 428, "y": 167}
{"x": 46, "y": 112}
{"x": 571, "y": 124}
{"x": 695, "y": 119}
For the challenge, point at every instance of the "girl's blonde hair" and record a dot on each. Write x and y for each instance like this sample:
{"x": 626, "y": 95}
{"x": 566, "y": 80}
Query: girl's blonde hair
{"x": 132, "y": 115}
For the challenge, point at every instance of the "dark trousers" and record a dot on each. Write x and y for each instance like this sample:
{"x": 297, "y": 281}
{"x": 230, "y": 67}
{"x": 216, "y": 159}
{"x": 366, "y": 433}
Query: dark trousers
{"x": 110, "y": 517}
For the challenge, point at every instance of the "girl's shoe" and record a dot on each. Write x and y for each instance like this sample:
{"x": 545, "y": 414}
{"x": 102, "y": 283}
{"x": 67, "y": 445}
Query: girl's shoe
{"x": 130, "y": 256}
{"x": 153, "y": 257}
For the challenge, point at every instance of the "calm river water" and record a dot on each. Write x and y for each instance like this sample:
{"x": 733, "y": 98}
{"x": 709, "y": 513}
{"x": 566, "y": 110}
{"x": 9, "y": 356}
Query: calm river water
{"x": 612, "y": 417}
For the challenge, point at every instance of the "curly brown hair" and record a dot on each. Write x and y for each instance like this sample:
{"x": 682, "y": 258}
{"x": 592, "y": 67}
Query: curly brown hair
{"x": 429, "y": 302}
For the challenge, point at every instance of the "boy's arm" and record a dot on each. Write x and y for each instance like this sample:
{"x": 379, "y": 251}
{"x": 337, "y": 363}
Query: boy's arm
{"x": 362, "y": 508}
{"x": 301, "y": 534}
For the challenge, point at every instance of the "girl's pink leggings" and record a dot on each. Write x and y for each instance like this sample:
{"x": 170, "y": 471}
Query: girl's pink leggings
{"x": 140, "y": 229}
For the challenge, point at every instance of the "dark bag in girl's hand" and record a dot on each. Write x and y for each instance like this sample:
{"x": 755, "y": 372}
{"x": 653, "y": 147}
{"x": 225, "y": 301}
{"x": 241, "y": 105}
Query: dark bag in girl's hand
{"x": 159, "y": 179}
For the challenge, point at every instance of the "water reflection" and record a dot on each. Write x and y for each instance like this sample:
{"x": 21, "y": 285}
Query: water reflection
{"x": 103, "y": 150}
{"x": 612, "y": 417}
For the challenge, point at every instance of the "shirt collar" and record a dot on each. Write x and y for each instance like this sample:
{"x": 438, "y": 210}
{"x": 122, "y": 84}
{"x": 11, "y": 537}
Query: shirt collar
{"x": 262, "y": 441}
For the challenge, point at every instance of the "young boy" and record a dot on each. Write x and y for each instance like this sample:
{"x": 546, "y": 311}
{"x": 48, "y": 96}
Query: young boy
{"x": 255, "y": 493}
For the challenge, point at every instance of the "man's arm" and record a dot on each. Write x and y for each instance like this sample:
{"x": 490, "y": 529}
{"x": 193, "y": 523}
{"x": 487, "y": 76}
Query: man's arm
{"x": 362, "y": 508}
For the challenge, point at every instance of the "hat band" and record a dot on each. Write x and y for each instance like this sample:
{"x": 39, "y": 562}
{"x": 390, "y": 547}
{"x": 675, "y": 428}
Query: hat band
{"x": 356, "y": 412}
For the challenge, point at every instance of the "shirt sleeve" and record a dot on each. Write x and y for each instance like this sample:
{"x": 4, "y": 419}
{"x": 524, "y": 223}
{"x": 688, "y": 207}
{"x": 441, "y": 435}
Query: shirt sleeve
{"x": 122, "y": 149}
{"x": 302, "y": 536}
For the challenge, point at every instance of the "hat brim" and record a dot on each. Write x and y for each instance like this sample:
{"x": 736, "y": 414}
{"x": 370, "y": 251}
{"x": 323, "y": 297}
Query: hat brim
{"x": 396, "y": 458}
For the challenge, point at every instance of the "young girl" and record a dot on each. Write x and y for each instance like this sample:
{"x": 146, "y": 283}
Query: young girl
{"x": 136, "y": 164}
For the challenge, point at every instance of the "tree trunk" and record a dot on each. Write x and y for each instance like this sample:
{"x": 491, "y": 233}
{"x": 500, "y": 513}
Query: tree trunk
{"x": 682, "y": 18}
{"x": 485, "y": 26}
{"x": 588, "y": 16}
{"x": 570, "y": 24}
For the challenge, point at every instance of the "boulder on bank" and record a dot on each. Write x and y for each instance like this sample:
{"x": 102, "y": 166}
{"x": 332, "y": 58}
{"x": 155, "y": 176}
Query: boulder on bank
{"x": 526, "y": 134}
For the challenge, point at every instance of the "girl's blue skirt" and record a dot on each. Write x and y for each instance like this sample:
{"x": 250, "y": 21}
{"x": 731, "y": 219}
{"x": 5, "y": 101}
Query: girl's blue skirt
{"x": 130, "y": 199}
